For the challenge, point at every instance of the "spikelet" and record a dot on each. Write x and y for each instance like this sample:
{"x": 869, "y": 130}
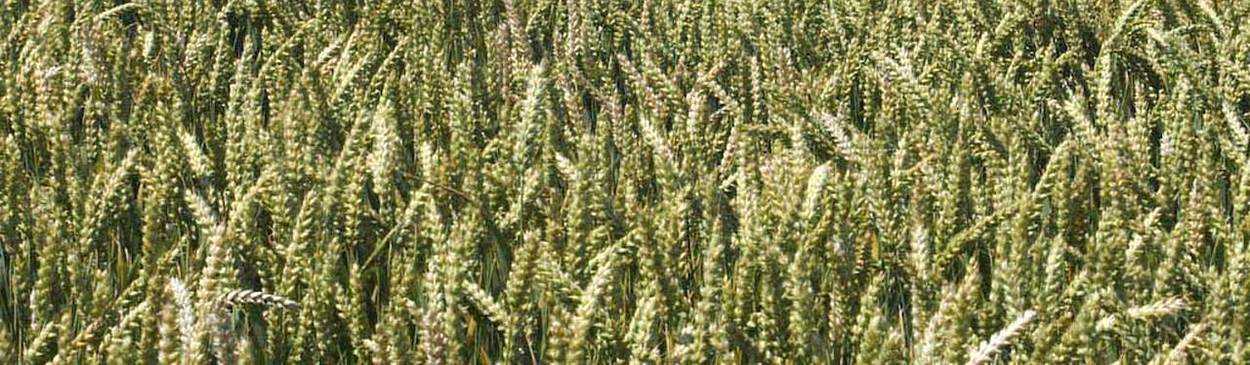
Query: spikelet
{"x": 1165, "y": 307}
{"x": 1162, "y": 308}
{"x": 244, "y": 296}
{"x": 190, "y": 345}
{"x": 168, "y": 351}
{"x": 815, "y": 190}
{"x": 36, "y": 349}
{"x": 985, "y": 353}
{"x": 1179, "y": 353}
{"x": 489, "y": 306}
{"x": 589, "y": 309}
{"x": 382, "y": 157}
{"x": 199, "y": 163}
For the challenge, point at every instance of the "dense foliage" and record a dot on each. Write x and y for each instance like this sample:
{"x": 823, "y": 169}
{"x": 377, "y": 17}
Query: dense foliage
{"x": 610, "y": 181}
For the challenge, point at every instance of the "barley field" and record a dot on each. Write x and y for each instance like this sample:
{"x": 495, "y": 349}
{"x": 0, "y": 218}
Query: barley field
{"x": 624, "y": 181}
